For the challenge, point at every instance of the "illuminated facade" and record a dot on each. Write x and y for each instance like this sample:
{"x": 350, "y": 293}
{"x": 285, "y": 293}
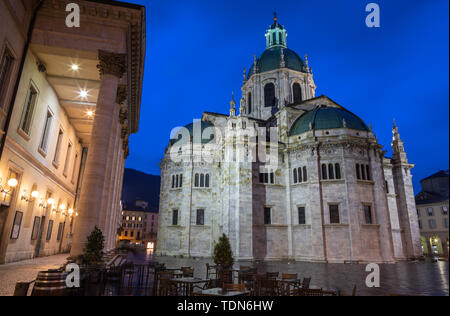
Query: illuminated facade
{"x": 325, "y": 193}
{"x": 70, "y": 98}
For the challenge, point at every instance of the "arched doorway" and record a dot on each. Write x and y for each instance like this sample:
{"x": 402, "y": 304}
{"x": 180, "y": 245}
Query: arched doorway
{"x": 436, "y": 246}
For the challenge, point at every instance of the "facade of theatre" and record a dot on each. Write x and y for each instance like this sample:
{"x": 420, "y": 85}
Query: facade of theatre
{"x": 326, "y": 194}
{"x": 69, "y": 99}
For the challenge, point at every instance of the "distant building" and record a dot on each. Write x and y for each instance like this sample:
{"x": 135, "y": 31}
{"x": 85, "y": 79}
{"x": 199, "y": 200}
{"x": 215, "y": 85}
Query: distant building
{"x": 432, "y": 209}
{"x": 139, "y": 224}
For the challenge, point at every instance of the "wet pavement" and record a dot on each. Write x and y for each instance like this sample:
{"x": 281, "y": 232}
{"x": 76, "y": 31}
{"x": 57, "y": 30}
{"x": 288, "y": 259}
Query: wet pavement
{"x": 405, "y": 278}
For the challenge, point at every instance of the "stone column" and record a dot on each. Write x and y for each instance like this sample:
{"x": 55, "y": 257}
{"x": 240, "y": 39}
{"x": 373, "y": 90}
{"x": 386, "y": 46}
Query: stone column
{"x": 112, "y": 67}
{"x": 110, "y": 179}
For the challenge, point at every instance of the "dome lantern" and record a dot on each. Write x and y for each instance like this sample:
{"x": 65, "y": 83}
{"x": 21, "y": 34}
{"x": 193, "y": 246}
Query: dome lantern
{"x": 276, "y": 36}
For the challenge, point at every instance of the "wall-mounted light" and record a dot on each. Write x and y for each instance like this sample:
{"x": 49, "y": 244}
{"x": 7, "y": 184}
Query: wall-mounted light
{"x": 75, "y": 67}
{"x": 35, "y": 194}
{"x": 12, "y": 183}
{"x": 71, "y": 211}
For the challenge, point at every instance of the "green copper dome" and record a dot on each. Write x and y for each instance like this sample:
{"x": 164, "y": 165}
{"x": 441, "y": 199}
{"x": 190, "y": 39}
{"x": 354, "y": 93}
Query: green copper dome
{"x": 205, "y": 137}
{"x": 271, "y": 60}
{"x": 323, "y": 118}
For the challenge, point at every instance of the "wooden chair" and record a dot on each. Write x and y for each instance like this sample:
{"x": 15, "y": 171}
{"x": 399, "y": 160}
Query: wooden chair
{"x": 268, "y": 288}
{"x": 235, "y": 287}
{"x": 286, "y": 276}
{"x": 306, "y": 283}
{"x": 188, "y": 272}
{"x": 272, "y": 275}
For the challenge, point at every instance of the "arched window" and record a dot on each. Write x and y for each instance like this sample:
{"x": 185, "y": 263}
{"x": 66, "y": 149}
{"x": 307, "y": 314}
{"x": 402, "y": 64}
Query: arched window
{"x": 363, "y": 172}
{"x": 269, "y": 95}
{"x": 300, "y": 175}
{"x": 249, "y": 103}
{"x": 369, "y": 176}
{"x": 173, "y": 181}
{"x": 297, "y": 93}
{"x": 197, "y": 180}
{"x": 358, "y": 172}
{"x": 330, "y": 172}
{"x": 177, "y": 179}
{"x": 181, "y": 180}
{"x": 207, "y": 181}
{"x": 305, "y": 175}
{"x": 337, "y": 171}
{"x": 202, "y": 180}
{"x": 295, "y": 176}
{"x": 324, "y": 172}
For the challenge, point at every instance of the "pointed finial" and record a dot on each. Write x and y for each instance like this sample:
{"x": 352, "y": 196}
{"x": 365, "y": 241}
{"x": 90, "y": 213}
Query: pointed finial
{"x": 275, "y": 18}
{"x": 344, "y": 123}
{"x": 307, "y": 63}
{"x": 232, "y": 105}
{"x": 370, "y": 127}
{"x": 395, "y": 124}
{"x": 245, "y": 74}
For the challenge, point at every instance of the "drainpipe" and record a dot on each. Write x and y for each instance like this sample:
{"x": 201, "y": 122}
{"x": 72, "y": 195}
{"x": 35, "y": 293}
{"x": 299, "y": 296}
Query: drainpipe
{"x": 19, "y": 75}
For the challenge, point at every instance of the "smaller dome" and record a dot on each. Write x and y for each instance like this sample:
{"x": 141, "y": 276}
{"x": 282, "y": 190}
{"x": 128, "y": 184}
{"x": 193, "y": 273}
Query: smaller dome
{"x": 324, "y": 117}
{"x": 206, "y": 137}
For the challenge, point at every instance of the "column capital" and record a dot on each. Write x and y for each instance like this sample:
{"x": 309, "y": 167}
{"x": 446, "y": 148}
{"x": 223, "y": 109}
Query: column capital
{"x": 121, "y": 94}
{"x": 112, "y": 63}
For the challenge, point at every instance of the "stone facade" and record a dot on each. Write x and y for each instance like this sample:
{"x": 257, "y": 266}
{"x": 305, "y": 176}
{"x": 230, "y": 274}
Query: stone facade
{"x": 254, "y": 192}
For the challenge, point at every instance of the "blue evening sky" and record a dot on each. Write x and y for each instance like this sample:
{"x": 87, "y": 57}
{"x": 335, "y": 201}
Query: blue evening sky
{"x": 197, "y": 49}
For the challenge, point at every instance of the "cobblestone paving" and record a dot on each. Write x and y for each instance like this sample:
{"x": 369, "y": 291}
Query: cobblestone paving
{"x": 25, "y": 271}
{"x": 422, "y": 278}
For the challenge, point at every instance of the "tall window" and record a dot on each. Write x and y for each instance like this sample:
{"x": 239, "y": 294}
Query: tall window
{"x": 430, "y": 211}
{"x": 444, "y": 210}
{"x": 301, "y": 215}
{"x": 267, "y": 216}
{"x": 5, "y": 73}
{"x": 358, "y": 172}
{"x": 74, "y": 170}
{"x": 66, "y": 163}
{"x": 368, "y": 173}
{"x": 324, "y": 172}
{"x": 269, "y": 95}
{"x": 200, "y": 217}
{"x": 267, "y": 178}
{"x": 334, "y": 214}
{"x": 202, "y": 180}
{"x": 330, "y": 172}
{"x": 175, "y": 218}
{"x": 295, "y": 176}
{"x": 177, "y": 181}
{"x": 337, "y": 171}
{"x": 249, "y": 97}
{"x": 28, "y": 110}
{"x": 305, "y": 174}
{"x": 368, "y": 214}
{"x": 432, "y": 223}
{"x": 297, "y": 93}
{"x": 58, "y": 147}
{"x": 48, "y": 123}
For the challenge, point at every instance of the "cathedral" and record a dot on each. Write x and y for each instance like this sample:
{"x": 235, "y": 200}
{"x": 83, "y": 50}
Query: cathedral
{"x": 292, "y": 176}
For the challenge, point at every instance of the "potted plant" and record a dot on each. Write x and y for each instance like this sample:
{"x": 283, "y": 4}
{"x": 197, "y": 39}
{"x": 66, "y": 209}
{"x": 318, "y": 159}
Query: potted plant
{"x": 223, "y": 258}
{"x": 93, "y": 254}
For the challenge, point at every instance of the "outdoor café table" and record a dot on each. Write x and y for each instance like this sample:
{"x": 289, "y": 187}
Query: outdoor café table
{"x": 220, "y": 292}
{"x": 185, "y": 286}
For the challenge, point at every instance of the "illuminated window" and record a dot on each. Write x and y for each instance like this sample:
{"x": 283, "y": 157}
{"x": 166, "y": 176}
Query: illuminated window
{"x": 44, "y": 140}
